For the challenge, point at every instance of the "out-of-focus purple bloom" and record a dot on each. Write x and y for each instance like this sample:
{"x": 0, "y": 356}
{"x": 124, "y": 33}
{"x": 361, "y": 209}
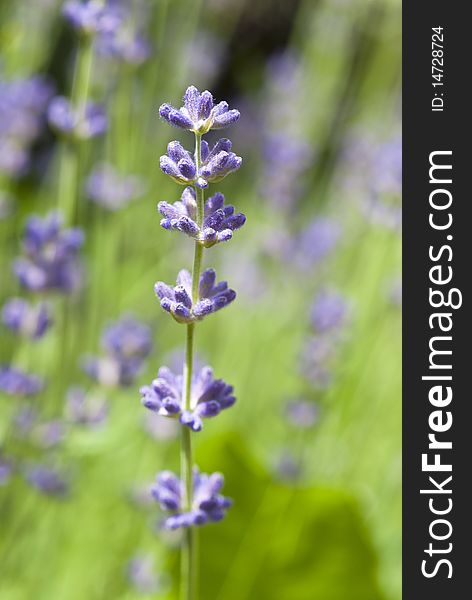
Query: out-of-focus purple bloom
{"x": 18, "y": 383}
{"x": 22, "y": 106}
{"x": 69, "y": 120}
{"x": 51, "y": 261}
{"x": 91, "y": 16}
{"x": 85, "y": 409}
{"x": 208, "y": 396}
{"x": 127, "y": 343}
{"x": 24, "y": 420}
{"x": 217, "y": 163}
{"x": 108, "y": 188}
{"x": 26, "y": 319}
{"x": 287, "y": 467}
{"x": 199, "y": 113}
{"x": 47, "y": 480}
{"x": 208, "y": 505}
{"x": 6, "y": 469}
{"x": 125, "y": 45}
{"x": 178, "y": 302}
{"x": 218, "y": 224}
{"x": 142, "y": 575}
{"x": 315, "y": 242}
{"x": 328, "y": 311}
{"x": 302, "y": 413}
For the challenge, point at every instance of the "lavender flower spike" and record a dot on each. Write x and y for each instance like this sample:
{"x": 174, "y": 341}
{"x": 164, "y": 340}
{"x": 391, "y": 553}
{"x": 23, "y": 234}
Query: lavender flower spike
{"x": 199, "y": 114}
{"x": 178, "y": 302}
{"x": 208, "y": 397}
{"x": 219, "y": 220}
{"x": 208, "y": 504}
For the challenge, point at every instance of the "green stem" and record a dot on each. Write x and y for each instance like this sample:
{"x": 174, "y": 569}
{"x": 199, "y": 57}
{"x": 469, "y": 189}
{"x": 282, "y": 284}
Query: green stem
{"x": 189, "y": 548}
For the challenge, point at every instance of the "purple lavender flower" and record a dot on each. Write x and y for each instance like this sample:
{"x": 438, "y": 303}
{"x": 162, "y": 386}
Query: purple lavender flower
{"x": 208, "y": 396}
{"x": 179, "y": 164}
{"x": 18, "y": 383}
{"x": 69, "y": 120}
{"x": 218, "y": 224}
{"x": 84, "y": 409}
{"x": 328, "y": 311}
{"x": 106, "y": 187}
{"x": 127, "y": 343}
{"x": 47, "y": 480}
{"x": 302, "y": 413}
{"x": 22, "y": 106}
{"x": 178, "y": 302}
{"x": 51, "y": 255}
{"x": 91, "y": 16}
{"x": 24, "y": 318}
{"x": 199, "y": 114}
{"x": 208, "y": 505}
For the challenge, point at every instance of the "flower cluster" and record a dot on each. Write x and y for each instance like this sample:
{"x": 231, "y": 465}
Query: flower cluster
{"x": 208, "y": 396}
{"x": 15, "y": 382}
{"x": 207, "y": 502}
{"x": 178, "y": 301}
{"x": 127, "y": 343}
{"x": 85, "y": 409}
{"x": 23, "y": 103}
{"x": 219, "y": 221}
{"x": 50, "y": 261}
{"x": 199, "y": 114}
{"x": 216, "y": 163}
{"x": 72, "y": 121}
{"x": 26, "y": 319}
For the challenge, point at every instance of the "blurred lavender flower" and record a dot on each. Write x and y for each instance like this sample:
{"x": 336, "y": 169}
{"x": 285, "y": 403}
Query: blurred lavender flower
{"x": 179, "y": 164}
{"x": 127, "y": 343}
{"x": 199, "y": 114}
{"x": 287, "y": 467}
{"x": 26, "y": 319}
{"x": 177, "y": 301}
{"x": 108, "y": 188}
{"x": 91, "y": 16}
{"x": 24, "y": 420}
{"x": 47, "y": 480}
{"x": 18, "y": 383}
{"x": 23, "y": 104}
{"x": 70, "y": 121}
{"x": 328, "y": 311}
{"x": 125, "y": 45}
{"x": 85, "y": 409}
{"x": 208, "y": 504}
{"x": 314, "y": 243}
{"x": 142, "y": 575}
{"x": 288, "y": 156}
{"x": 218, "y": 224}
{"x": 6, "y": 470}
{"x": 208, "y": 396}
{"x": 302, "y": 413}
{"x": 51, "y": 255}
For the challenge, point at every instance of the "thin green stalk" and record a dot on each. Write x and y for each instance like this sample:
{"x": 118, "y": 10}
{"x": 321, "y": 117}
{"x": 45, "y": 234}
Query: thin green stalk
{"x": 189, "y": 548}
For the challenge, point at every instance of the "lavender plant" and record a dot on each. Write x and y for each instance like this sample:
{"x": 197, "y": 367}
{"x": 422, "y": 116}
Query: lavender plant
{"x": 194, "y": 498}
